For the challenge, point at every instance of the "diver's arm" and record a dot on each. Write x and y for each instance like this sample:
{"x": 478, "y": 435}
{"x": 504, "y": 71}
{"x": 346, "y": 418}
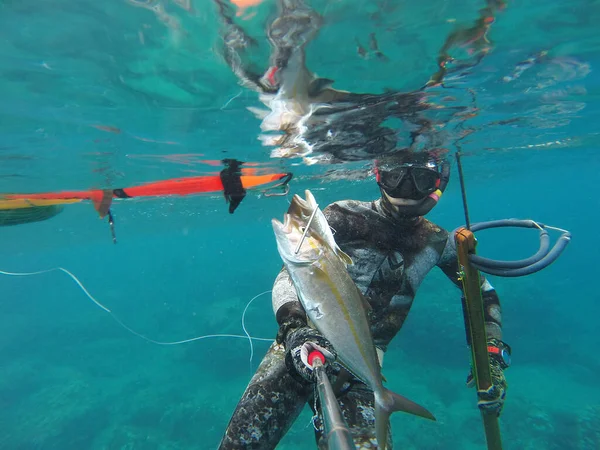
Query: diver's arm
{"x": 490, "y": 399}
{"x": 294, "y": 332}
{"x": 287, "y": 308}
{"x": 491, "y": 302}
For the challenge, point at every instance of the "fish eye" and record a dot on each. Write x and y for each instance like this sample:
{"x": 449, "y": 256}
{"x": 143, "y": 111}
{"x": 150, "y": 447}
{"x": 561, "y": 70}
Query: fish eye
{"x": 303, "y": 229}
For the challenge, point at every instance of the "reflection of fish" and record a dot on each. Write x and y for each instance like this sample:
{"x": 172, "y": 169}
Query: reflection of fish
{"x": 299, "y": 95}
{"x": 299, "y": 91}
{"x": 334, "y": 304}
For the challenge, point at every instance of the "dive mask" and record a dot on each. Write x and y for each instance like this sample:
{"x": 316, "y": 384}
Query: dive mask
{"x": 409, "y": 181}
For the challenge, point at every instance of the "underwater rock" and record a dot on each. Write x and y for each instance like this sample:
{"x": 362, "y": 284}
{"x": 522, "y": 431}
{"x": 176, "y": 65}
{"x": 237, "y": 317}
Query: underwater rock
{"x": 589, "y": 432}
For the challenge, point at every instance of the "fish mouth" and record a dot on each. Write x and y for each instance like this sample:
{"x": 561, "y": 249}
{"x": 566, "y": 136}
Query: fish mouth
{"x": 296, "y": 243}
{"x": 310, "y": 199}
{"x": 285, "y": 244}
{"x": 302, "y": 208}
{"x": 283, "y": 228}
{"x": 288, "y": 230}
{"x": 308, "y": 205}
{"x": 290, "y": 235}
{"x": 302, "y": 205}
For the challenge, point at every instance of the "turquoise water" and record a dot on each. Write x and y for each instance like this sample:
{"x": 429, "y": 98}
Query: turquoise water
{"x": 72, "y": 378}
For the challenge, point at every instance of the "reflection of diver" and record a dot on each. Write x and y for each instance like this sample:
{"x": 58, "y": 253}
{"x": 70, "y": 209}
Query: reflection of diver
{"x": 315, "y": 119}
{"x": 474, "y": 40}
{"x": 326, "y": 124}
{"x": 393, "y": 248}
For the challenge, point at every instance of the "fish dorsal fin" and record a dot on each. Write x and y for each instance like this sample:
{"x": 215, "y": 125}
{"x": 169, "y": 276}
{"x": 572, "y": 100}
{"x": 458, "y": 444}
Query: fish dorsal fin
{"x": 317, "y": 85}
{"x": 343, "y": 256}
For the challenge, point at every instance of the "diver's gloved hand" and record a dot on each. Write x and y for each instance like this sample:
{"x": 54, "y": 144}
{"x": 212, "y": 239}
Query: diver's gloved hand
{"x": 493, "y": 398}
{"x": 299, "y": 344}
{"x": 288, "y": 325}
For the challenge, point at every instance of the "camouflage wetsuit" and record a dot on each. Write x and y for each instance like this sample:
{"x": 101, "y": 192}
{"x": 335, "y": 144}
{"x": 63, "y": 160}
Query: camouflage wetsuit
{"x": 391, "y": 259}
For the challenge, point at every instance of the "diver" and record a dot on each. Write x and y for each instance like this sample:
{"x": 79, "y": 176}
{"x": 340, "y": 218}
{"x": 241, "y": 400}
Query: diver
{"x": 393, "y": 248}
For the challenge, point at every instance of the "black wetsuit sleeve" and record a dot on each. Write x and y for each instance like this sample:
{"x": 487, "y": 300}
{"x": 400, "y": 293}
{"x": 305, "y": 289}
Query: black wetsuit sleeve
{"x": 342, "y": 224}
{"x": 492, "y": 310}
{"x": 288, "y": 310}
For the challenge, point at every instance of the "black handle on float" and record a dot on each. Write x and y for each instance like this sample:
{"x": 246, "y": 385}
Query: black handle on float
{"x": 541, "y": 259}
{"x": 475, "y": 327}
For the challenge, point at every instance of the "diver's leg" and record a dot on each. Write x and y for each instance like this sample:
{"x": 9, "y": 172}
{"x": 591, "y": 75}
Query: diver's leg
{"x": 270, "y": 405}
{"x": 357, "y": 406}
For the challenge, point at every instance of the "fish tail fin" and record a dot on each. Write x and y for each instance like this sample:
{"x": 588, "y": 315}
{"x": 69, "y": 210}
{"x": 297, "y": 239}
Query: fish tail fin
{"x": 388, "y": 402}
